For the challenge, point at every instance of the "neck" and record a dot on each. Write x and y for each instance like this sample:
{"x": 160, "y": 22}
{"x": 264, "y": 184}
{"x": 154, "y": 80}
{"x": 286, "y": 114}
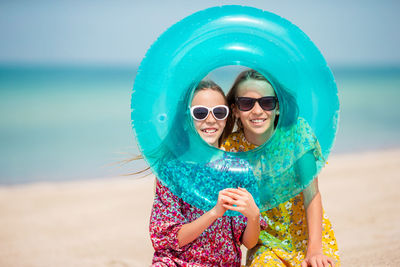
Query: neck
{"x": 215, "y": 144}
{"x": 258, "y": 139}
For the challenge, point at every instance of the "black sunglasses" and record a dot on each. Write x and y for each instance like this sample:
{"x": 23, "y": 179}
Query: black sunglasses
{"x": 247, "y": 103}
{"x": 200, "y": 113}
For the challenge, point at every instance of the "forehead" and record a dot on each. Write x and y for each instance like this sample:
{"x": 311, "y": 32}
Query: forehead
{"x": 208, "y": 98}
{"x": 255, "y": 88}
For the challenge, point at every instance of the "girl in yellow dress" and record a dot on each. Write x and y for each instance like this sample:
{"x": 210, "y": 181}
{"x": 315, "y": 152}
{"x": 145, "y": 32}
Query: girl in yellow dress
{"x": 299, "y": 233}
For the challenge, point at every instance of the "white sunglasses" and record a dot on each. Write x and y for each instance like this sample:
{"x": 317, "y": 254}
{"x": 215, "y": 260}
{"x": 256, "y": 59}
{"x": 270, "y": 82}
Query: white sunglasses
{"x": 200, "y": 113}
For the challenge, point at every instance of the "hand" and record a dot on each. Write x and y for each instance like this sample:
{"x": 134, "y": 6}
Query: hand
{"x": 317, "y": 260}
{"x": 242, "y": 201}
{"x": 219, "y": 209}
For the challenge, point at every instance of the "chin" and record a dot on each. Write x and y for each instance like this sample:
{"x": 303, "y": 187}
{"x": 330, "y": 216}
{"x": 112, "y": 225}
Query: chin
{"x": 258, "y": 131}
{"x": 209, "y": 140}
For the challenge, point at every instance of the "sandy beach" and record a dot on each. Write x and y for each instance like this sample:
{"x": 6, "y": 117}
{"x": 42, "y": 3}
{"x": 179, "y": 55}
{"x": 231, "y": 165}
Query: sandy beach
{"x": 105, "y": 222}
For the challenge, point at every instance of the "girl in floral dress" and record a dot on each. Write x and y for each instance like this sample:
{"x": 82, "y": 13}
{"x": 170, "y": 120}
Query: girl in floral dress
{"x": 183, "y": 235}
{"x": 299, "y": 233}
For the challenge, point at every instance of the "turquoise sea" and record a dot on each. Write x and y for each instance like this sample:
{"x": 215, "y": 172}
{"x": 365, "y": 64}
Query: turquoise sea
{"x": 70, "y": 123}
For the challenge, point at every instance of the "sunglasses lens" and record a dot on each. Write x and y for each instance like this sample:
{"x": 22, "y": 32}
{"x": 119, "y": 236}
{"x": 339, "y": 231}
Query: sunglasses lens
{"x": 220, "y": 113}
{"x": 200, "y": 113}
{"x": 267, "y": 103}
{"x": 245, "y": 103}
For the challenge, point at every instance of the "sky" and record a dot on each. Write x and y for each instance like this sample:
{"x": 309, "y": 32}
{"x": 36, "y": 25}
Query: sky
{"x": 359, "y": 32}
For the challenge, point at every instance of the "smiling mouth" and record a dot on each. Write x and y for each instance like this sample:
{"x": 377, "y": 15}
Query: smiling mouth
{"x": 209, "y": 130}
{"x": 257, "y": 121}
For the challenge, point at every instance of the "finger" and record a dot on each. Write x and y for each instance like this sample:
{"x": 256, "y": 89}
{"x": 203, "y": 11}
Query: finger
{"x": 235, "y": 190}
{"x": 228, "y": 189}
{"x": 331, "y": 262}
{"x": 232, "y": 194}
{"x": 230, "y": 207}
{"x": 239, "y": 194}
{"x": 232, "y": 190}
{"x": 319, "y": 262}
{"x": 237, "y": 203}
{"x": 243, "y": 189}
{"x": 246, "y": 200}
{"x": 313, "y": 262}
{"x": 304, "y": 263}
{"x": 324, "y": 262}
{"x": 233, "y": 202}
{"x": 225, "y": 199}
{"x": 222, "y": 193}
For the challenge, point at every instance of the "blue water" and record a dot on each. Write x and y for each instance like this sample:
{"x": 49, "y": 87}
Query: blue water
{"x": 70, "y": 123}
{"x": 370, "y": 114}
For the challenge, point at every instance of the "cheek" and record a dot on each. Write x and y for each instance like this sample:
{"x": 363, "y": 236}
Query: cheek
{"x": 273, "y": 117}
{"x": 222, "y": 124}
{"x": 270, "y": 114}
{"x": 242, "y": 115}
{"x": 197, "y": 125}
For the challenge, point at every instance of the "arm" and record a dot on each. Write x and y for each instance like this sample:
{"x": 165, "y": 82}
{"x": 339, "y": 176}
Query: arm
{"x": 166, "y": 219}
{"x": 314, "y": 225}
{"x": 314, "y": 256}
{"x": 190, "y": 231}
{"x": 243, "y": 202}
{"x": 252, "y": 232}
{"x": 169, "y": 228}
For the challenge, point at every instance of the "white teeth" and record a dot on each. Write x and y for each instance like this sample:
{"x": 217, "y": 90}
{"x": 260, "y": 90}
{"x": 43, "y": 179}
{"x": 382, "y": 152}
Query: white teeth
{"x": 257, "y": 121}
{"x": 209, "y": 130}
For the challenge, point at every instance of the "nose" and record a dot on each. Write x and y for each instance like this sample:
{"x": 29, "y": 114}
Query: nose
{"x": 257, "y": 108}
{"x": 210, "y": 118}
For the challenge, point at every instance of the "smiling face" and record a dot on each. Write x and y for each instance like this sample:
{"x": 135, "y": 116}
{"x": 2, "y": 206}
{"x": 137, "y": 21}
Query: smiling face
{"x": 209, "y": 129}
{"x": 258, "y": 124}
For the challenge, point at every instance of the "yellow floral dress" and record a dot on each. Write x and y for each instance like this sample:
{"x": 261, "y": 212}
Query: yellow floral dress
{"x": 284, "y": 243}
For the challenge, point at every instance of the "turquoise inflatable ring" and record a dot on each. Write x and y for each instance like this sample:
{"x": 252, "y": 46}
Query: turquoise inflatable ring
{"x": 233, "y": 35}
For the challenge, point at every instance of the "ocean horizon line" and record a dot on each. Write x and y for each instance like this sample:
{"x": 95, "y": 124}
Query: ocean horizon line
{"x": 347, "y": 67}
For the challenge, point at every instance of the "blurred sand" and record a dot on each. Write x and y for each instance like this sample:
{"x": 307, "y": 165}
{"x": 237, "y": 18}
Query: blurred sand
{"x": 105, "y": 222}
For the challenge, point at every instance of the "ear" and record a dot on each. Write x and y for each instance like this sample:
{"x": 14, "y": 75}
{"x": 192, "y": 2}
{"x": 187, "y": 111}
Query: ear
{"x": 277, "y": 109}
{"x": 235, "y": 111}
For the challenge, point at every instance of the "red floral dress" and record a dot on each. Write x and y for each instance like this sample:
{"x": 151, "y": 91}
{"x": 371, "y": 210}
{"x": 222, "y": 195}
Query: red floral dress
{"x": 218, "y": 245}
